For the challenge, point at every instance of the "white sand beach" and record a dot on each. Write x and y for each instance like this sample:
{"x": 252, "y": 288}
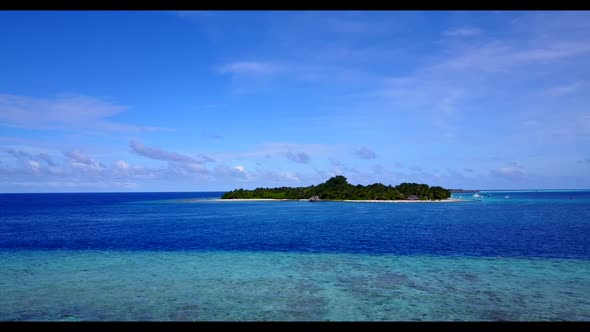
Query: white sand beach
{"x": 448, "y": 200}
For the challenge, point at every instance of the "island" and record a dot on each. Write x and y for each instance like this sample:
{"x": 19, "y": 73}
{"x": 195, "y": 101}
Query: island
{"x": 337, "y": 188}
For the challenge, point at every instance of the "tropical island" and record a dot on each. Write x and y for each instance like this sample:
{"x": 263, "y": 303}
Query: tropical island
{"x": 338, "y": 188}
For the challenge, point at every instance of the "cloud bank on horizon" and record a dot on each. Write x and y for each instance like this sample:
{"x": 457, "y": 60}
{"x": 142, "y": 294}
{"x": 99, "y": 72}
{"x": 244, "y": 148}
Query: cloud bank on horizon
{"x": 199, "y": 101}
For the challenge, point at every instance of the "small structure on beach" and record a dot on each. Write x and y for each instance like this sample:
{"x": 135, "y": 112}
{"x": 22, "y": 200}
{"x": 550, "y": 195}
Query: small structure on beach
{"x": 413, "y": 198}
{"x": 314, "y": 199}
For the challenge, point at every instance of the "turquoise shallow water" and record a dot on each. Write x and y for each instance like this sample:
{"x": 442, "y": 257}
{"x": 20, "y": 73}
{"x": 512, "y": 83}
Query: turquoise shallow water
{"x": 186, "y": 256}
{"x": 259, "y": 286}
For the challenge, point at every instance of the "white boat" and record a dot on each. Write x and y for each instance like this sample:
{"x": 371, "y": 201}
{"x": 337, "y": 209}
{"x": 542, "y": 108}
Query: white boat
{"x": 506, "y": 196}
{"x": 476, "y": 196}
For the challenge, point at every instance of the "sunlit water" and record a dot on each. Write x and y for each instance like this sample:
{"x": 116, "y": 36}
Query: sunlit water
{"x": 163, "y": 256}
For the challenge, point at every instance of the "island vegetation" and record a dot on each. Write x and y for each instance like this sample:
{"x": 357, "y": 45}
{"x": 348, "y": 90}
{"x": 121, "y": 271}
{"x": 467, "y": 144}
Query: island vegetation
{"x": 338, "y": 188}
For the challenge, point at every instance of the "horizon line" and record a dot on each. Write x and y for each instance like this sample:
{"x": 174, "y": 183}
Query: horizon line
{"x": 222, "y": 191}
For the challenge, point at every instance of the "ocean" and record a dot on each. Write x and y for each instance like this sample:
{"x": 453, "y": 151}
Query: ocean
{"x": 506, "y": 256}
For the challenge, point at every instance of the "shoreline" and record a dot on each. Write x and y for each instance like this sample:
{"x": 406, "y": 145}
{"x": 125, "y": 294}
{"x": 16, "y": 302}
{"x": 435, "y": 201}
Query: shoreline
{"x": 448, "y": 200}
{"x": 402, "y": 201}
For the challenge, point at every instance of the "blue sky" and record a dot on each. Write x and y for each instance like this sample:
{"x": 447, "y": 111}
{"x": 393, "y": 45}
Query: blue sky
{"x": 199, "y": 101}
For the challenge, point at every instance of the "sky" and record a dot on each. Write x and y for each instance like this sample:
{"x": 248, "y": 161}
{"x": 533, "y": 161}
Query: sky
{"x": 111, "y": 101}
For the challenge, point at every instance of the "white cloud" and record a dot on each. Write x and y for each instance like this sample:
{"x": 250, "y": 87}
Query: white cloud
{"x": 160, "y": 154}
{"x": 566, "y": 89}
{"x": 122, "y": 168}
{"x": 339, "y": 168}
{"x": 269, "y": 150}
{"x": 121, "y": 165}
{"x": 223, "y": 171}
{"x": 500, "y": 56}
{"x": 365, "y": 153}
{"x": 22, "y": 155}
{"x": 266, "y": 177}
{"x": 249, "y": 67}
{"x": 35, "y": 167}
{"x": 78, "y": 157}
{"x": 472, "y": 76}
{"x": 462, "y": 32}
{"x": 514, "y": 172}
{"x": 66, "y": 112}
{"x": 298, "y": 157}
{"x": 292, "y": 176}
{"x": 184, "y": 169}
{"x": 83, "y": 162}
{"x": 196, "y": 167}
{"x": 448, "y": 104}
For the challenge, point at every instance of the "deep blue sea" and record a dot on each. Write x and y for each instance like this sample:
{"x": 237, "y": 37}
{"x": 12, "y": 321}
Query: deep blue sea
{"x": 507, "y": 255}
